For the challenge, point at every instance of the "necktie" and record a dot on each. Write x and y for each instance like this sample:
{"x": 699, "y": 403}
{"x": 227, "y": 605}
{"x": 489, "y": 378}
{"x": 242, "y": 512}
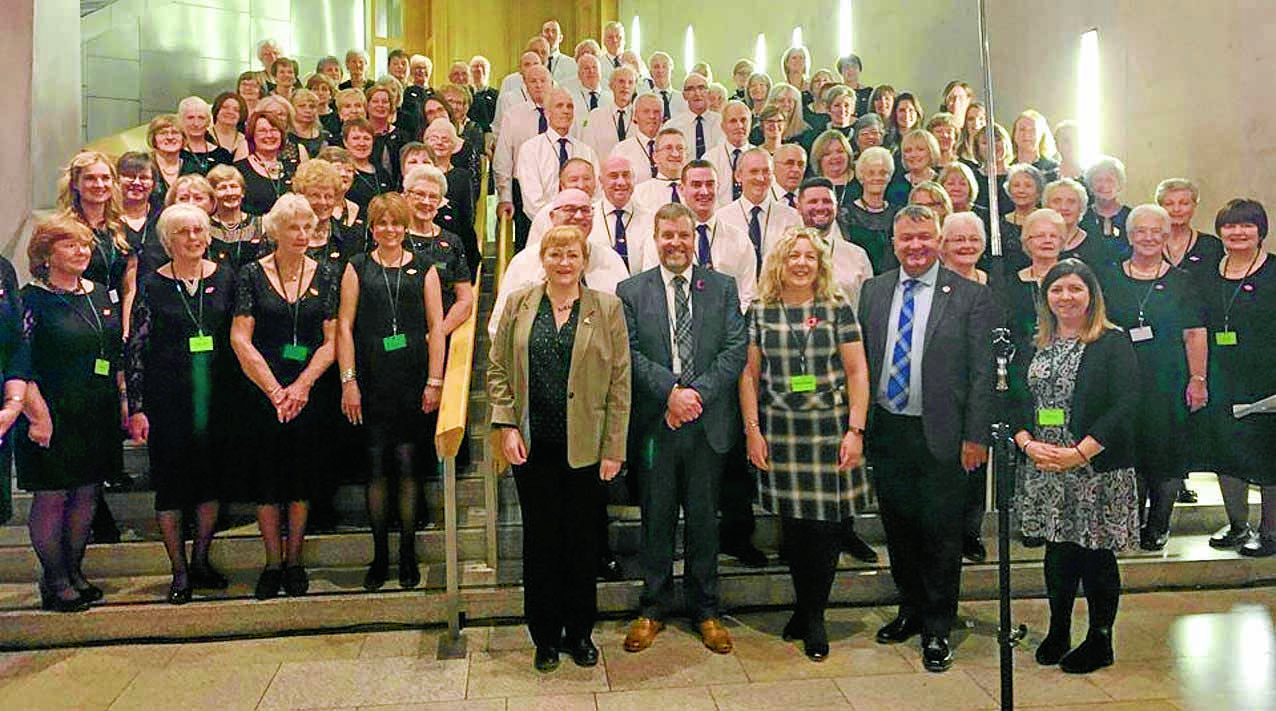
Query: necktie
{"x": 620, "y": 125}
{"x": 755, "y": 233}
{"x": 664, "y": 95}
{"x": 651, "y": 156}
{"x": 615, "y": 62}
{"x": 562, "y": 152}
{"x": 901, "y": 354}
{"x": 622, "y": 245}
{"x": 593, "y": 100}
{"x": 699, "y": 137}
{"x": 736, "y": 188}
{"x": 703, "y": 247}
{"x": 673, "y": 192}
{"x": 790, "y": 198}
{"x": 550, "y": 65}
{"x": 682, "y": 330}
{"x": 542, "y": 125}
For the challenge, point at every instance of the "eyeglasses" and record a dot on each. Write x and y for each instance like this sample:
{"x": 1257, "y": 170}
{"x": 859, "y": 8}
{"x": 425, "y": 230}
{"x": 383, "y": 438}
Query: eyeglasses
{"x": 423, "y": 196}
{"x": 576, "y": 209}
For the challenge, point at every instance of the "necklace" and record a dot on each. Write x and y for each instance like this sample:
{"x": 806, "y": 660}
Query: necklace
{"x": 1131, "y": 272}
{"x": 1073, "y": 242}
{"x": 1187, "y": 247}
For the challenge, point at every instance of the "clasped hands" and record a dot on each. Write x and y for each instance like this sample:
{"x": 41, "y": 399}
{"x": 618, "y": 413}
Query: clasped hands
{"x": 1052, "y": 458}
{"x": 289, "y": 400}
{"x": 684, "y": 405}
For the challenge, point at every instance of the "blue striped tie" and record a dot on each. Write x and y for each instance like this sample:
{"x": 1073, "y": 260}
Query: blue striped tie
{"x": 901, "y": 355}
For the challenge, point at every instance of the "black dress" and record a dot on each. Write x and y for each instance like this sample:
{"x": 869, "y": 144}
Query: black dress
{"x": 284, "y": 461}
{"x": 872, "y": 231}
{"x": 457, "y": 216}
{"x": 1097, "y": 252}
{"x": 312, "y": 145}
{"x": 1168, "y": 306}
{"x": 391, "y": 353}
{"x": 107, "y": 264}
{"x": 146, "y": 244}
{"x": 1242, "y": 373}
{"x": 179, "y": 366}
{"x": 14, "y": 364}
{"x": 74, "y": 342}
{"x": 344, "y": 241}
{"x": 201, "y": 163}
{"x": 237, "y": 245}
{"x": 470, "y": 157}
{"x": 446, "y": 253}
{"x": 260, "y": 192}
{"x": 368, "y": 185}
{"x": 1203, "y": 256}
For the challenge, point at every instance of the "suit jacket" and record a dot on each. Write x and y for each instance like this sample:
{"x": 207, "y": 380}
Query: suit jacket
{"x": 721, "y": 340}
{"x": 598, "y": 384}
{"x": 957, "y": 363}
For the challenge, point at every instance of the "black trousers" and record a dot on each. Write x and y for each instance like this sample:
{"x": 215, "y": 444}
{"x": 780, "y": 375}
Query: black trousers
{"x": 976, "y": 502}
{"x": 922, "y": 503}
{"x": 560, "y": 544}
{"x": 736, "y": 492}
{"x": 522, "y": 223}
{"x": 813, "y": 548}
{"x": 684, "y": 475}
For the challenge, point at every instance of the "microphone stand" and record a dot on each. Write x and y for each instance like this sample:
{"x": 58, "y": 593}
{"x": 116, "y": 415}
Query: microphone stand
{"x": 1008, "y": 636}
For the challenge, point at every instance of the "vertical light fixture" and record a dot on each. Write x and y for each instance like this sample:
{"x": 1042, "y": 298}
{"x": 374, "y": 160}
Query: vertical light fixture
{"x": 759, "y": 54}
{"x": 689, "y": 48}
{"x": 635, "y": 36}
{"x": 796, "y": 40}
{"x": 844, "y": 44}
{"x": 1088, "y": 91}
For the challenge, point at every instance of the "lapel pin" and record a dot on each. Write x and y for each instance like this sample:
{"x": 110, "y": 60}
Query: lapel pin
{"x": 946, "y": 289}
{"x": 1248, "y": 287}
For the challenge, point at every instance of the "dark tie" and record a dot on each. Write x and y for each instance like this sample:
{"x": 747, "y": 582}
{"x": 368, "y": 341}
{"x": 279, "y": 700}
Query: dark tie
{"x": 541, "y": 124}
{"x": 682, "y": 330}
{"x": 699, "y": 137}
{"x": 703, "y": 247}
{"x": 736, "y": 188}
{"x": 790, "y": 198}
{"x": 755, "y": 233}
{"x": 651, "y": 156}
{"x": 615, "y": 62}
{"x": 673, "y": 192}
{"x": 620, "y": 125}
{"x": 664, "y": 95}
{"x": 593, "y": 100}
{"x": 562, "y": 152}
{"x": 622, "y": 245}
{"x": 901, "y": 354}
{"x": 550, "y": 65}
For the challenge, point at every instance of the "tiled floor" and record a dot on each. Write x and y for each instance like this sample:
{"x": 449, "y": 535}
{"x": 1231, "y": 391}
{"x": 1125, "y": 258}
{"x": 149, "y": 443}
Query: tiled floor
{"x": 1212, "y": 650}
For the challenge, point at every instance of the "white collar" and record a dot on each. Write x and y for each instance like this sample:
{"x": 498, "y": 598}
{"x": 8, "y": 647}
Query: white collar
{"x": 667, "y": 276}
{"x": 927, "y": 277}
{"x": 608, "y": 208}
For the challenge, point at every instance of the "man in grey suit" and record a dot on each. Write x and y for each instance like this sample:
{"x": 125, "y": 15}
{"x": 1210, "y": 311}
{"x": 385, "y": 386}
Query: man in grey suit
{"x": 687, "y": 342}
{"x": 928, "y": 336}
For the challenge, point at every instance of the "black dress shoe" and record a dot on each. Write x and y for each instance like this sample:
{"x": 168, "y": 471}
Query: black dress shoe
{"x": 1259, "y": 547}
{"x": 1231, "y": 536}
{"x": 858, "y": 548}
{"x": 179, "y": 594}
{"x": 973, "y": 550}
{"x": 546, "y": 659}
{"x": 1093, "y": 654}
{"x": 268, "y": 585}
{"x": 747, "y": 554}
{"x": 1153, "y": 541}
{"x": 50, "y": 602}
{"x": 409, "y": 571}
{"x": 1053, "y": 648}
{"x": 205, "y": 577}
{"x": 376, "y": 575}
{"x": 937, "y": 656}
{"x": 795, "y": 628}
{"x": 296, "y": 582}
{"x": 609, "y": 568}
{"x": 816, "y": 643}
{"x": 1187, "y": 496}
{"x": 1033, "y": 541}
{"x": 900, "y": 629}
{"x": 583, "y": 652}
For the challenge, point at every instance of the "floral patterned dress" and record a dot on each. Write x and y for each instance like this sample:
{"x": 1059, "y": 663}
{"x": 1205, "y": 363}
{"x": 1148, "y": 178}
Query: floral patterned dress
{"x": 1095, "y": 510}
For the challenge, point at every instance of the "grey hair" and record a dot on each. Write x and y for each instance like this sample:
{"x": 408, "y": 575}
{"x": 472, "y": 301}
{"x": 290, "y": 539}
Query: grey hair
{"x": 1066, "y": 183}
{"x": 1147, "y": 209}
{"x": 1038, "y": 178}
{"x": 425, "y": 172}
{"x": 1109, "y": 164}
{"x": 916, "y": 213}
{"x": 958, "y": 220}
{"x": 289, "y": 207}
{"x": 875, "y": 155}
{"x": 175, "y": 214}
{"x": 1045, "y": 214}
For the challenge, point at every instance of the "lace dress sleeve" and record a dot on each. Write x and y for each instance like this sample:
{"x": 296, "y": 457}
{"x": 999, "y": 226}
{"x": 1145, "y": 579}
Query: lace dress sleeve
{"x": 245, "y": 293}
{"x": 135, "y": 350}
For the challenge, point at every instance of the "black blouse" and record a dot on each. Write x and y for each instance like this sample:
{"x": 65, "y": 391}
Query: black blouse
{"x": 549, "y": 362}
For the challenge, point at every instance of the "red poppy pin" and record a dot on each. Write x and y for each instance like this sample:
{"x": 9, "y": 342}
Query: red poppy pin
{"x": 210, "y": 290}
{"x": 812, "y": 322}
{"x": 699, "y": 284}
{"x": 106, "y": 312}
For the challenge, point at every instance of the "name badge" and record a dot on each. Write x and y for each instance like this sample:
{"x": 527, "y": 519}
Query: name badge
{"x": 1225, "y": 338}
{"x": 114, "y": 296}
{"x": 395, "y": 342}
{"x": 1050, "y": 417}
{"x": 802, "y": 383}
{"x": 101, "y": 366}
{"x": 200, "y": 344}
{"x": 296, "y": 352}
{"x": 1141, "y": 333}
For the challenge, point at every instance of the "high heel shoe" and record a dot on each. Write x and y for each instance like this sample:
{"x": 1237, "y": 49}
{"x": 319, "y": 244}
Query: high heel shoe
{"x": 794, "y": 629}
{"x": 179, "y": 594}
{"x": 52, "y": 602}
{"x": 89, "y": 592}
{"x": 376, "y": 575}
{"x": 816, "y": 642}
{"x": 409, "y": 569}
{"x": 206, "y": 577}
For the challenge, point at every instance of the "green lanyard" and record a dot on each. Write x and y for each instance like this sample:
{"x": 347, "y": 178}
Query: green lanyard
{"x": 101, "y": 365}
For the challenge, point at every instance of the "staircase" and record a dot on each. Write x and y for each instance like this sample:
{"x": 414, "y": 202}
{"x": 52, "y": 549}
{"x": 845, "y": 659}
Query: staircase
{"x": 135, "y": 577}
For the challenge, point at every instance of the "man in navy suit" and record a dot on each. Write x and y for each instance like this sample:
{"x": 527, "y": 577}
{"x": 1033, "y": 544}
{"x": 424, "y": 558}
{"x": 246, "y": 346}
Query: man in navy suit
{"x": 928, "y": 337}
{"x": 687, "y": 341}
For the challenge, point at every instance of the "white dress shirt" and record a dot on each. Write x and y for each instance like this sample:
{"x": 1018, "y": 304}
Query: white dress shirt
{"x": 580, "y": 97}
{"x": 543, "y": 221}
{"x": 923, "y": 297}
{"x": 778, "y": 192}
{"x": 671, "y": 301}
{"x": 561, "y": 67}
{"x": 731, "y": 252}
{"x": 677, "y": 104}
{"x": 851, "y": 266}
{"x": 656, "y": 193}
{"x": 686, "y": 122}
{"x": 537, "y": 167}
{"x": 638, "y": 227}
{"x": 600, "y": 127}
{"x": 511, "y": 94}
{"x": 774, "y": 219}
{"x": 635, "y": 149}
{"x": 605, "y": 270}
{"x": 607, "y": 64}
{"x": 722, "y": 157}
{"x": 519, "y": 125}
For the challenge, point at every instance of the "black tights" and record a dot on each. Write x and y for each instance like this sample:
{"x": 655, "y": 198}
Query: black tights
{"x": 1068, "y": 564}
{"x": 1156, "y": 502}
{"x": 59, "y": 524}
{"x": 1236, "y": 503}
{"x": 379, "y": 497}
{"x": 813, "y": 548}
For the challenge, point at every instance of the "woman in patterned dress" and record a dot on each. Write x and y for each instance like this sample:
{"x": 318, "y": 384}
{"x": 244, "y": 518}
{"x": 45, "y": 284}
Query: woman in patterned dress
{"x": 804, "y": 396}
{"x": 1076, "y": 413}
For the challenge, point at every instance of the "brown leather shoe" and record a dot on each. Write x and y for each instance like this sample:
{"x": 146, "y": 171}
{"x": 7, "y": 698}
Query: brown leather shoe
{"x": 642, "y": 633}
{"x": 715, "y": 636}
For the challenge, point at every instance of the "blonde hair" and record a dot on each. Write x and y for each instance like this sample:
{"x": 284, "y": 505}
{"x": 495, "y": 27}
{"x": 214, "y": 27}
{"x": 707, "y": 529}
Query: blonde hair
{"x": 1169, "y": 185}
{"x": 1045, "y": 138}
{"x": 193, "y": 180}
{"x": 289, "y": 207}
{"x": 69, "y": 195}
{"x": 920, "y": 135}
{"x": 562, "y": 236}
{"x": 180, "y": 212}
{"x": 316, "y": 173}
{"x": 771, "y": 278}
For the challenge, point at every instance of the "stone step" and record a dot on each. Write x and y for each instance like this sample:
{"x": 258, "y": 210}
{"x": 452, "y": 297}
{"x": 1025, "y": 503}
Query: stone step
{"x": 134, "y": 608}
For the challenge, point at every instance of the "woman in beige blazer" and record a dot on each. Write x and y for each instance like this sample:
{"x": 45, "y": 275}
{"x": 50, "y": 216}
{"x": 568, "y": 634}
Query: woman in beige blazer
{"x": 559, "y": 387}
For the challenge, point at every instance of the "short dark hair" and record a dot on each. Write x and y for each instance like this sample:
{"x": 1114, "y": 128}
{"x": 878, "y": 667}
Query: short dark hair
{"x": 850, "y": 59}
{"x": 396, "y": 54}
{"x": 673, "y": 211}
{"x": 697, "y": 163}
{"x": 230, "y": 96}
{"x": 1242, "y": 211}
{"x": 815, "y": 182}
{"x": 134, "y": 162}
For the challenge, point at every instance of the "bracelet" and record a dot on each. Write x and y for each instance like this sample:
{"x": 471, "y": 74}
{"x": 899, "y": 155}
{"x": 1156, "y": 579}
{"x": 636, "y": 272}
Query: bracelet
{"x": 1024, "y": 447}
{"x": 1083, "y": 456}
{"x": 15, "y": 398}
{"x": 750, "y": 425}
{"x": 347, "y": 376}
{"x": 434, "y": 383}
{"x": 1199, "y": 377}
{"x": 855, "y": 430}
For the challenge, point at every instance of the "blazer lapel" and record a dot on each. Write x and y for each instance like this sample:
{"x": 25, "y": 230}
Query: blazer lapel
{"x": 658, "y": 305}
{"x": 699, "y": 303}
{"x": 939, "y": 300}
{"x": 880, "y": 309}
{"x": 584, "y": 328}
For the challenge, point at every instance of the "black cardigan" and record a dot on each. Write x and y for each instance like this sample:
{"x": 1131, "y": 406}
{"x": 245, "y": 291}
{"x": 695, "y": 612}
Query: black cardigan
{"x": 1104, "y": 402}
